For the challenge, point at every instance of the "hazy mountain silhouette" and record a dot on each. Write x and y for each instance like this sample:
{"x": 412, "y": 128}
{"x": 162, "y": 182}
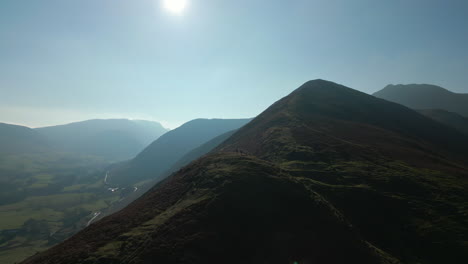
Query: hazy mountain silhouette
{"x": 19, "y": 139}
{"x": 113, "y": 139}
{"x": 425, "y": 96}
{"x": 156, "y": 159}
{"x": 325, "y": 175}
{"x": 448, "y": 118}
{"x": 201, "y": 151}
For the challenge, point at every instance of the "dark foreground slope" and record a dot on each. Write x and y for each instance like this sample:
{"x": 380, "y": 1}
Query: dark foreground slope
{"x": 325, "y": 175}
{"x": 425, "y": 96}
{"x": 225, "y": 208}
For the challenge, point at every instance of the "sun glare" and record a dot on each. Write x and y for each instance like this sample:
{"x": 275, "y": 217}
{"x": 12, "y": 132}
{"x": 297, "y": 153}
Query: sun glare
{"x": 175, "y": 6}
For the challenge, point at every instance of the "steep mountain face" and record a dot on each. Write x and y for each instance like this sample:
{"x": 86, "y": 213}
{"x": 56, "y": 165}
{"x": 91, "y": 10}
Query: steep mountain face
{"x": 113, "y": 139}
{"x": 447, "y": 118}
{"x": 19, "y": 139}
{"x": 158, "y": 158}
{"x": 325, "y": 175}
{"x": 424, "y": 96}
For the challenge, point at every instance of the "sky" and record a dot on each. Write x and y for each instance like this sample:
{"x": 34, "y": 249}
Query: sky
{"x": 63, "y": 60}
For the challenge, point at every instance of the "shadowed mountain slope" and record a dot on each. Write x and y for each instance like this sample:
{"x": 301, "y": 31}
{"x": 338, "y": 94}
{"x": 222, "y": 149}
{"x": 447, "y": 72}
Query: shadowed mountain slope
{"x": 157, "y": 159}
{"x": 425, "y": 96}
{"x": 201, "y": 151}
{"x": 325, "y": 175}
{"x": 447, "y": 118}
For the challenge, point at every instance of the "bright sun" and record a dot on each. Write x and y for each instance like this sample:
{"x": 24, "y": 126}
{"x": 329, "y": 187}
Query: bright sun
{"x": 175, "y": 6}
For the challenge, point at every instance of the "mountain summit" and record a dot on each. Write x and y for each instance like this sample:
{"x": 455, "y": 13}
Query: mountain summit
{"x": 325, "y": 175}
{"x": 320, "y": 112}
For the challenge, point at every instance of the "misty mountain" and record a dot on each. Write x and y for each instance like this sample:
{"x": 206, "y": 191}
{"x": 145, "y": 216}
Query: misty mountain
{"x": 201, "y": 151}
{"x": 19, "y": 139}
{"x": 447, "y": 118}
{"x": 158, "y": 158}
{"x": 113, "y": 139}
{"x": 325, "y": 175}
{"x": 425, "y": 96}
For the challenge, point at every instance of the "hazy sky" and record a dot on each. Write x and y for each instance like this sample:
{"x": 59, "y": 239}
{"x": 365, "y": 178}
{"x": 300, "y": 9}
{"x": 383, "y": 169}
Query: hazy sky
{"x": 69, "y": 60}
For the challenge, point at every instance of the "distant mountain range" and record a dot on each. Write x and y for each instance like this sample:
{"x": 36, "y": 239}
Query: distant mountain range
{"x": 113, "y": 139}
{"x": 325, "y": 175}
{"x": 19, "y": 139}
{"x": 425, "y": 96}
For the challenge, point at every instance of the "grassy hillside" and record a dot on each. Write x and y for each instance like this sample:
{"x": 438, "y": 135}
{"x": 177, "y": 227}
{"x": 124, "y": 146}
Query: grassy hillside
{"x": 228, "y": 207}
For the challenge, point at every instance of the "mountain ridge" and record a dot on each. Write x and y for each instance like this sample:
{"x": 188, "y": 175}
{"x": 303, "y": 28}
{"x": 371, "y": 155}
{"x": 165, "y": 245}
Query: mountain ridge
{"x": 16, "y": 139}
{"x": 400, "y": 119}
{"x": 114, "y": 139}
{"x": 425, "y": 96}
